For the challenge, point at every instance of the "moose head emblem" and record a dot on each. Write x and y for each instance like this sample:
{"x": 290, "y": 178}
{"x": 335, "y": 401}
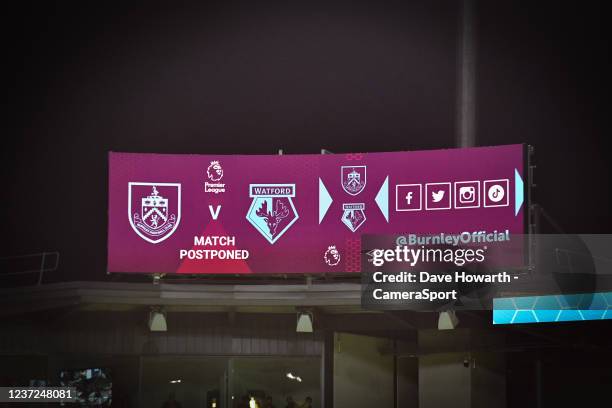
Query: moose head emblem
{"x": 273, "y": 218}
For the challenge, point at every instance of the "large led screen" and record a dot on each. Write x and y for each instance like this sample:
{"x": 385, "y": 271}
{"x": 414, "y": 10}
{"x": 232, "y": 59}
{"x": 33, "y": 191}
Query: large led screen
{"x": 282, "y": 214}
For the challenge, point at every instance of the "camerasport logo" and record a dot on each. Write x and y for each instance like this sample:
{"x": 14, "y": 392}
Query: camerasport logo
{"x": 154, "y": 209}
{"x": 332, "y": 256}
{"x": 214, "y": 172}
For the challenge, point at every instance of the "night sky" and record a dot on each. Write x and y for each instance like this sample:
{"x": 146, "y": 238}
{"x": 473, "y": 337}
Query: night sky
{"x": 253, "y": 77}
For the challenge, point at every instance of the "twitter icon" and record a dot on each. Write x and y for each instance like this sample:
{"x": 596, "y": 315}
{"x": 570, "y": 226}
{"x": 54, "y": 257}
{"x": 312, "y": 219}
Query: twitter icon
{"x": 438, "y": 196}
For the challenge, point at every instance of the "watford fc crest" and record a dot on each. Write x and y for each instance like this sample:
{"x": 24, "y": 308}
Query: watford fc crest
{"x": 353, "y": 215}
{"x": 272, "y": 211}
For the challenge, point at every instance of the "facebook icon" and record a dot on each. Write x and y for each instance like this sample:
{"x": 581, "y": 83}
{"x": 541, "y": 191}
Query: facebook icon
{"x": 408, "y": 197}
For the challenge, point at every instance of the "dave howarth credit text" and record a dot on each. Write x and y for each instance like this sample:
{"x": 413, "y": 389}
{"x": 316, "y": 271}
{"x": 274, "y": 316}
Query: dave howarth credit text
{"x": 425, "y": 277}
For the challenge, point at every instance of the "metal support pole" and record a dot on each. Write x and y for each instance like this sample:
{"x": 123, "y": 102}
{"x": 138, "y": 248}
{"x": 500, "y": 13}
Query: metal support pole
{"x": 466, "y": 76}
{"x": 538, "y": 381}
{"x": 42, "y": 268}
{"x": 327, "y": 378}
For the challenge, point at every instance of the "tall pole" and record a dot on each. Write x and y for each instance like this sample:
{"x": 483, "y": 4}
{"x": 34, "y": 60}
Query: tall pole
{"x": 466, "y": 73}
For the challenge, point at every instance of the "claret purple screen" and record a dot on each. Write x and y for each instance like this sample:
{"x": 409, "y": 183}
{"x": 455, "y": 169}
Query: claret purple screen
{"x": 279, "y": 214}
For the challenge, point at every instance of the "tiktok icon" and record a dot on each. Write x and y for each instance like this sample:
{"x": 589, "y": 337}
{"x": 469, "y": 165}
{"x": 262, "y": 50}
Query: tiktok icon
{"x": 496, "y": 193}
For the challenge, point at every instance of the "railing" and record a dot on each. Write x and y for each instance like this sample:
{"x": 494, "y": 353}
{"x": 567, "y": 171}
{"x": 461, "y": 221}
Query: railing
{"x": 30, "y": 264}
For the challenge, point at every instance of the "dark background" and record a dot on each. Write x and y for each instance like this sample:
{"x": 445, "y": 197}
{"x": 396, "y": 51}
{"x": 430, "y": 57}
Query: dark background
{"x": 85, "y": 78}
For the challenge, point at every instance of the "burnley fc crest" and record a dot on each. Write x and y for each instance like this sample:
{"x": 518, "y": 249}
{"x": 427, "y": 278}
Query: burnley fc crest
{"x": 353, "y": 179}
{"x": 154, "y": 209}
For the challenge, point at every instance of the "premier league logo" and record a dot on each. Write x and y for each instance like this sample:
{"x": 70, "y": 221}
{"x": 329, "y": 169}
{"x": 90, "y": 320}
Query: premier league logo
{"x": 353, "y": 179}
{"x": 272, "y": 211}
{"x": 353, "y": 216}
{"x": 154, "y": 209}
{"x": 332, "y": 256}
{"x": 214, "y": 171}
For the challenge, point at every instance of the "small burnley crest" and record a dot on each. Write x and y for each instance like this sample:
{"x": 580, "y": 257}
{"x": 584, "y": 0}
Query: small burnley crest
{"x": 272, "y": 211}
{"x": 353, "y": 179}
{"x": 154, "y": 209}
